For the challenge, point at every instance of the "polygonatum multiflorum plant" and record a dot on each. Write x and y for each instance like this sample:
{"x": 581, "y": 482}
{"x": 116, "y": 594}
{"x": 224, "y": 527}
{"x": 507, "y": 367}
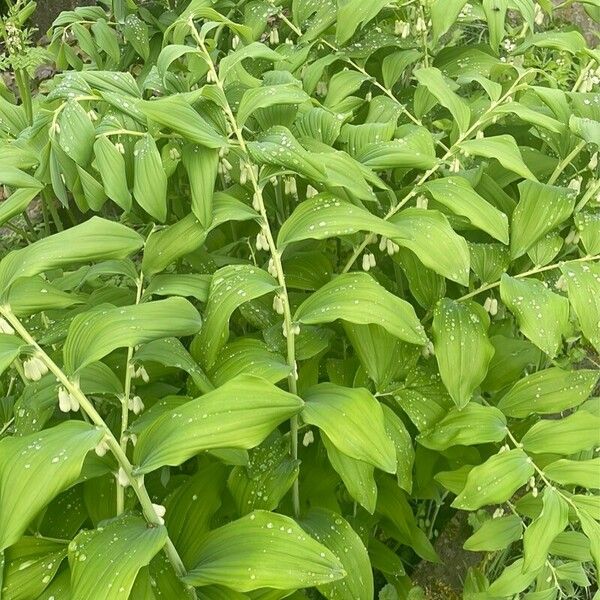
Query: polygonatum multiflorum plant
{"x": 288, "y": 289}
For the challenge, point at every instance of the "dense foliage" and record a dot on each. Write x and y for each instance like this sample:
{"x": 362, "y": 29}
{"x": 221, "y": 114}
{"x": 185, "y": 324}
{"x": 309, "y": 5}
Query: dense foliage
{"x": 290, "y": 286}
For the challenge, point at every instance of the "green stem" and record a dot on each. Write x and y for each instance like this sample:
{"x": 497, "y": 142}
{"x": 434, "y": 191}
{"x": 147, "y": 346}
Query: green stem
{"x": 22, "y": 80}
{"x": 89, "y": 409}
{"x": 275, "y": 255}
{"x": 562, "y": 165}
{"x": 48, "y": 201}
{"x": 593, "y": 189}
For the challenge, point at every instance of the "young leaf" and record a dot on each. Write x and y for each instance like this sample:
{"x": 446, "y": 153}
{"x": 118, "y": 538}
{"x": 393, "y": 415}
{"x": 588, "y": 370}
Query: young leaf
{"x": 474, "y": 424}
{"x": 583, "y": 288}
{"x": 111, "y": 166}
{"x": 353, "y": 420}
{"x": 495, "y": 481}
{"x": 335, "y": 533}
{"x": 540, "y": 209}
{"x": 549, "y": 391}
{"x": 358, "y": 298}
{"x": 542, "y": 315}
{"x": 92, "y": 556}
{"x": 538, "y": 537}
{"x": 457, "y": 194}
{"x": 95, "y": 239}
{"x": 405, "y": 454}
{"x": 495, "y": 534}
{"x": 47, "y": 462}
{"x": 150, "y": 179}
{"x": 462, "y": 348}
{"x": 579, "y": 431}
{"x": 239, "y": 414}
{"x": 271, "y": 95}
{"x": 234, "y": 556}
{"x": 201, "y": 164}
{"x": 10, "y": 348}
{"x": 96, "y": 333}
{"x": 76, "y": 133}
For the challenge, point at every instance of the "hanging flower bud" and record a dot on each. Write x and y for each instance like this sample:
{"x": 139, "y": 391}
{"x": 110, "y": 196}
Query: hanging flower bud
{"x": 296, "y": 328}
{"x": 455, "y": 166}
{"x": 74, "y": 403}
{"x": 561, "y": 284}
{"x": 593, "y": 162}
{"x": 101, "y": 449}
{"x": 160, "y": 511}
{"x": 538, "y": 14}
{"x": 308, "y": 439}
{"x": 119, "y": 146}
{"x": 494, "y": 307}
{"x": 392, "y": 248}
{"x": 135, "y": 405}
{"x": 271, "y": 268}
{"x": 575, "y": 184}
{"x": 34, "y": 368}
{"x": 261, "y": 241}
{"x": 321, "y": 88}
{"x": 243, "y": 173}
{"x": 422, "y": 202}
{"x": 142, "y": 374}
{"x": 278, "y": 305}
{"x": 366, "y": 263}
{"x": 311, "y": 192}
{"x": 428, "y": 350}
{"x": 64, "y": 400}
{"x": 235, "y": 41}
{"x": 122, "y": 477}
{"x": 5, "y": 327}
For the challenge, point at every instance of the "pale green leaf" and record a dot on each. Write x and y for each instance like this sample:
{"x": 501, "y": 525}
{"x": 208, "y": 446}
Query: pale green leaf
{"x": 150, "y": 179}
{"x": 583, "y": 473}
{"x": 111, "y": 166}
{"x": 202, "y": 164}
{"x": 495, "y": 534}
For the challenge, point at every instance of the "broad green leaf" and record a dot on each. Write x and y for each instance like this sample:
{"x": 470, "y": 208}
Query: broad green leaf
{"x": 542, "y": 315}
{"x": 30, "y": 566}
{"x": 504, "y": 149}
{"x": 92, "y": 189}
{"x": 540, "y": 209}
{"x": 135, "y": 32}
{"x": 588, "y": 226}
{"x": 588, "y": 129}
{"x": 546, "y": 249}
{"x": 239, "y": 414}
{"x": 529, "y": 115}
{"x": 358, "y": 298}
{"x": 495, "y": 15}
{"x": 10, "y": 348}
{"x": 16, "y": 203}
{"x": 579, "y": 431}
{"x": 351, "y": 14}
{"x": 538, "y": 537}
{"x": 395, "y": 64}
{"x": 583, "y": 288}
{"x": 427, "y": 286}
{"x": 341, "y": 85}
{"x": 444, "y": 14}
{"x": 495, "y": 481}
{"x": 187, "y": 285}
{"x": 201, "y": 164}
{"x": 29, "y": 295}
{"x": 15, "y": 178}
{"x": 93, "y": 240}
{"x": 549, "y": 391}
{"x": 234, "y": 556}
{"x": 405, "y": 454}
{"x": 512, "y": 581}
{"x": 433, "y": 79}
{"x": 583, "y": 473}
{"x": 265, "y": 480}
{"x": 177, "y": 114}
{"x": 357, "y": 476}
{"x": 489, "y": 261}
{"x": 77, "y": 133}
{"x": 353, "y": 420}
{"x": 150, "y": 179}
{"x": 92, "y": 557}
{"x": 96, "y": 333}
{"x": 462, "y": 348}
{"x": 326, "y": 216}
{"x": 111, "y": 166}
{"x": 335, "y": 533}
{"x": 591, "y": 528}
{"x": 457, "y": 194}
{"x": 191, "y": 508}
{"x": 572, "y": 545}
{"x": 271, "y": 95}
{"x": 254, "y": 51}
{"x": 449, "y": 256}
{"x": 47, "y": 462}
{"x": 231, "y": 287}
{"x": 566, "y": 41}
{"x": 474, "y": 424}
{"x": 319, "y": 124}
{"x": 495, "y": 534}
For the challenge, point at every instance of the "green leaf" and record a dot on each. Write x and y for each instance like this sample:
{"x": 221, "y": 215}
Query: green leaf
{"x": 111, "y": 166}
{"x": 504, "y": 149}
{"x": 591, "y": 528}
{"x": 474, "y": 424}
{"x": 254, "y": 50}
{"x": 353, "y": 420}
{"x": 135, "y": 32}
{"x": 495, "y": 15}
{"x": 92, "y": 189}
{"x": 571, "y": 42}
{"x": 231, "y": 287}
{"x": 96, "y": 333}
{"x": 29, "y": 295}
{"x": 583, "y": 473}
{"x": 538, "y": 537}
{"x": 92, "y": 557}
{"x": 457, "y": 194}
{"x": 435, "y": 82}
{"x": 239, "y": 414}
{"x": 357, "y": 476}
{"x": 588, "y": 129}
{"x": 16, "y": 203}
{"x": 549, "y": 391}
{"x": 449, "y": 256}
{"x": 405, "y": 454}
{"x": 326, "y": 216}
{"x": 495, "y": 534}
{"x": 150, "y": 179}
{"x": 270, "y": 95}
{"x": 395, "y": 64}
{"x": 187, "y": 285}
{"x": 234, "y": 556}
{"x": 462, "y": 348}
{"x": 202, "y": 164}
{"x": 588, "y": 226}
{"x": 444, "y": 14}
{"x": 542, "y": 315}
{"x": 77, "y": 133}
{"x": 495, "y": 481}
{"x": 10, "y": 348}
{"x": 541, "y": 209}
{"x": 178, "y": 115}
{"x": 47, "y": 462}
{"x": 583, "y": 288}
{"x": 512, "y": 581}
{"x": 579, "y": 431}
{"x": 358, "y": 298}
{"x": 335, "y": 533}
{"x": 96, "y": 239}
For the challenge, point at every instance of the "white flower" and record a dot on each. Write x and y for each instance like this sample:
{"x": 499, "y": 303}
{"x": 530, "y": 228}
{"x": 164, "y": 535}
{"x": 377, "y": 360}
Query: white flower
{"x": 142, "y": 374}
{"x": 34, "y": 368}
{"x": 422, "y": 202}
{"x": 311, "y": 192}
{"x": 101, "y": 449}
{"x": 366, "y": 263}
{"x": 122, "y": 477}
{"x": 160, "y": 511}
{"x": 135, "y": 405}
{"x": 278, "y": 306}
{"x": 64, "y": 400}
{"x": 308, "y": 439}
{"x": 5, "y": 327}
{"x": 593, "y": 162}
